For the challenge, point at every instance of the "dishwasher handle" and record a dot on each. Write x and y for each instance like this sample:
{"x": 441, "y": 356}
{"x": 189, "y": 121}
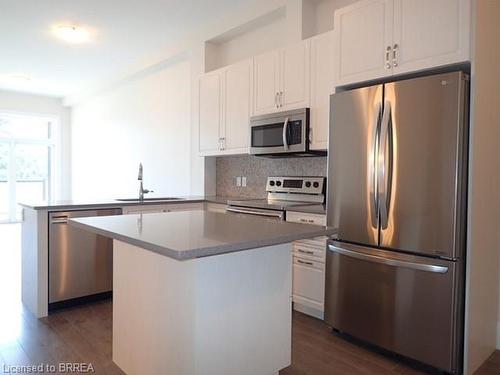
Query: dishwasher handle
{"x": 59, "y": 220}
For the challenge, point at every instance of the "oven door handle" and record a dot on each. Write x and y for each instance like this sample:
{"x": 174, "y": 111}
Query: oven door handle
{"x": 277, "y": 214}
{"x": 285, "y": 140}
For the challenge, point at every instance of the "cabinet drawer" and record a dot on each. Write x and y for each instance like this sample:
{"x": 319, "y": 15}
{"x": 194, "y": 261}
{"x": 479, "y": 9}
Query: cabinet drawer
{"x": 308, "y": 281}
{"x": 315, "y": 242}
{"x": 215, "y": 207}
{"x": 301, "y": 249}
{"x": 308, "y": 263}
{"x": 304, "y": 218}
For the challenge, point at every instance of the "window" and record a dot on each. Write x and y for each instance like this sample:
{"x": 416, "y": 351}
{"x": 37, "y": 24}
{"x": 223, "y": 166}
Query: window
{"x": 27, "y": 162}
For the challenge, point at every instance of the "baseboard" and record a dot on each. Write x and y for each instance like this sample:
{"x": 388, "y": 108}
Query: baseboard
{"x": 308, "y": 310}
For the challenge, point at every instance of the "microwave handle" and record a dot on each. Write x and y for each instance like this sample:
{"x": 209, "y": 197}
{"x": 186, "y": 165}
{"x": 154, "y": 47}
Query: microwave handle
{"x": 285, "y": 140}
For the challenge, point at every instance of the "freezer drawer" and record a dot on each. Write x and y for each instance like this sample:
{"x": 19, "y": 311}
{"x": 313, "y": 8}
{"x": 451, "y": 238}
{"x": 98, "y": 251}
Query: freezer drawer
{"x": 406, "y": 304}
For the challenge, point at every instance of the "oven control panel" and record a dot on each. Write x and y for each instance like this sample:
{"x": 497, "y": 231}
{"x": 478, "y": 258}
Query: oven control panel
{"x": 302, "y": 185}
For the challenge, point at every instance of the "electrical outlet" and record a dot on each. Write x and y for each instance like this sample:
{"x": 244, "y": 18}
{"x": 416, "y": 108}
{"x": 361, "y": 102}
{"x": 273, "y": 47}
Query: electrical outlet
{"x": 238, "y": 181}
{"x": 244, "y": 181}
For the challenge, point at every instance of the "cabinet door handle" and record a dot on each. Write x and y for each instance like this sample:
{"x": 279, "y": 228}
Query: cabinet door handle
{"x": 395, "y": 55}
{"x": 304, "y": 262}
{"x": 223, "y": 140}
{"x": 281, "y": 98}
{"x": 387, "y": 57}
{"x": 305, "y": 251}
{"x": 276, "y": 100}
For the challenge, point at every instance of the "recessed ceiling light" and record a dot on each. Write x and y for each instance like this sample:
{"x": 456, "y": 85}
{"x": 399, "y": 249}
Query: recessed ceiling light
{"x": 71, "y": 33}
{"x": 15, "y": 79}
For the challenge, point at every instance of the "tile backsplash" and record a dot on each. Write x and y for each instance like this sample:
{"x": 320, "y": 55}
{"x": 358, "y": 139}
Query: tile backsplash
{"x": 257, "y": 169}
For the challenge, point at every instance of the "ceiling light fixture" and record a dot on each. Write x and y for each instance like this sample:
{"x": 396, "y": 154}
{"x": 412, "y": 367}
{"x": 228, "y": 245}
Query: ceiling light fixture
{"x": 71, "y": 33}
{"x": 19, "y": 77}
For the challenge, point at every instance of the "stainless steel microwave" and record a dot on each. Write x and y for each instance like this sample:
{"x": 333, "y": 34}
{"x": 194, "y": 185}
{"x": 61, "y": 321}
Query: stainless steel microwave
{"x": 281, "y": 134}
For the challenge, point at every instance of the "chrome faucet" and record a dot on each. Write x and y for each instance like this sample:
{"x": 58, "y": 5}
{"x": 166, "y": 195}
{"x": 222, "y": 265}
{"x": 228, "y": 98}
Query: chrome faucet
{"x": 142, "y": 191}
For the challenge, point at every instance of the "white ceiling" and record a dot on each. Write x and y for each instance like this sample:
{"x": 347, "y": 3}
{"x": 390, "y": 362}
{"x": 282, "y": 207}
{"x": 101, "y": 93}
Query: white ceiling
{"x": 124, "y": 33}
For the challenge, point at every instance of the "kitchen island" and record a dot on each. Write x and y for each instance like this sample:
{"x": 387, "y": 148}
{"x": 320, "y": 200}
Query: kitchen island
{"x": 199, "y": 292}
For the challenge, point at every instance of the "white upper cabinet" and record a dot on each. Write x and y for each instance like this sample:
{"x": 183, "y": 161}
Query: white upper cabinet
{"x": 282, "y": 79}
{"x": 209, "y": 120}
{"x": 363, "y": 34}
{"x": 295, "y": 81}
{"x": 237, "y": 105}
{"x": 379, "y": 38}
{"x": 430, "y": 33}
{"x": 322, "y": 86}
{"x": 225, "y": 100}
{"x": 266, "y": 82}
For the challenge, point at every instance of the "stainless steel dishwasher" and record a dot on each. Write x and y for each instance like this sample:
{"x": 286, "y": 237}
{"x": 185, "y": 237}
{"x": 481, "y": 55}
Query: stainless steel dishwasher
{"x": 80, "y": 262}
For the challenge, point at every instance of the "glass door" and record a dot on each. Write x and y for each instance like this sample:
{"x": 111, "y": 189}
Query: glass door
{"x": 4, "y": 178}
{"x": 26, "y": 163}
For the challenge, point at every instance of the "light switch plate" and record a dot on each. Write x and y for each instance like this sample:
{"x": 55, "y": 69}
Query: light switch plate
{"x": 238, "y": 181}
{"x": 244, "y": 181}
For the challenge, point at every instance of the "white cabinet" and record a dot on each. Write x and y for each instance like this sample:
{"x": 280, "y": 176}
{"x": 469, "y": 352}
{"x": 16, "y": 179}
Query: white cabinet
{"x": 363, "y": 33}
{"x": 158, "y": 208}
{"x": 430, "y": 33}
{"x": 322, "y": 86}
{"x": 308, "y": 288}
{"x": 266, "y": 82}
{"x": 225, "y": 100}
{"x": 210, "y": 116}
{"x": 305, "y": 218}
{"x": 379, "y": 38}
{"x": 237, "y": 102}
{"x": 282, "y": 79}
{"x": 295, "y": 76}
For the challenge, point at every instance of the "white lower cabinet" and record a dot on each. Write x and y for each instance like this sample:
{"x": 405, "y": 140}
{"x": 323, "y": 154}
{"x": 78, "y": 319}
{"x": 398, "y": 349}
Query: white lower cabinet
{"x": 308, "y": 292}
{"x": 158, "y": 208}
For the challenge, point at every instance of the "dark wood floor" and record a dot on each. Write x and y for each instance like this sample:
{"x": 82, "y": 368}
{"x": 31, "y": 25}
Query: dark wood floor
{"x": 83, "y": 334}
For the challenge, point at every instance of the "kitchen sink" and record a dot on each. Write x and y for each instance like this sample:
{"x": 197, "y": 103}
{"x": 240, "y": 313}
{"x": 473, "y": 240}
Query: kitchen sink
{"x": 149, "y": 199}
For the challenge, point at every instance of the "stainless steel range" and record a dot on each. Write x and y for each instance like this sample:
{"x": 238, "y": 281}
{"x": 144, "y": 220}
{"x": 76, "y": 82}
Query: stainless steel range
{"x": 283, "y": 193}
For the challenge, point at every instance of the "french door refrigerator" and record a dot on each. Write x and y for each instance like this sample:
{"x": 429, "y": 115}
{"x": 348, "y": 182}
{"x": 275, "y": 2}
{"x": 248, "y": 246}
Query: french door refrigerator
{"x": 397, "y": 194}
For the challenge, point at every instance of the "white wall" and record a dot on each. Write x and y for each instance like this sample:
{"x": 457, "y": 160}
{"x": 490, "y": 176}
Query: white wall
{"x": 484, "y": 194}
{"x": 144, "y": 119}
{"x": 17, "y": 102}
{"x": 263, "y": 38}
{"x": 201, "y": 170}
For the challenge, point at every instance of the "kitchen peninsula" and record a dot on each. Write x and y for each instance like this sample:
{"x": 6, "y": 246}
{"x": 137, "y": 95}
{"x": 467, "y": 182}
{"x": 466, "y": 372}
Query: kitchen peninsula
{"x": 200, "y": 292}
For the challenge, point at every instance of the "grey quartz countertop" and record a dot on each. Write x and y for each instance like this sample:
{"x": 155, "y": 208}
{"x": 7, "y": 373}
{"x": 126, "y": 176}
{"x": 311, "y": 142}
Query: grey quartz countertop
{"x": 82, "y": 204}
{"x": 194, "y": 234}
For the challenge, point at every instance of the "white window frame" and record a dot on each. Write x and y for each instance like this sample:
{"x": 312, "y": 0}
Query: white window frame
{"x": 53, "y": 142}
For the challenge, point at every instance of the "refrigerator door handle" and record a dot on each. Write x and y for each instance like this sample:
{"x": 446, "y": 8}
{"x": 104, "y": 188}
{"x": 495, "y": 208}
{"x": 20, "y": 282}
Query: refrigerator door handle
{"x": 388, "y": 261}
{"x": 373, "y": 166}
{"x": 385, "y": 163}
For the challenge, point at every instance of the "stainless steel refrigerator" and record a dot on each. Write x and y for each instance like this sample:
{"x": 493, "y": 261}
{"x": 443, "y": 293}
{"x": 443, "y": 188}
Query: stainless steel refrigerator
{"x": 397, "y": 194}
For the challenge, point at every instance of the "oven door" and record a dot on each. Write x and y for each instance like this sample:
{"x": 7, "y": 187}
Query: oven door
{"x": 286, "y": 132}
